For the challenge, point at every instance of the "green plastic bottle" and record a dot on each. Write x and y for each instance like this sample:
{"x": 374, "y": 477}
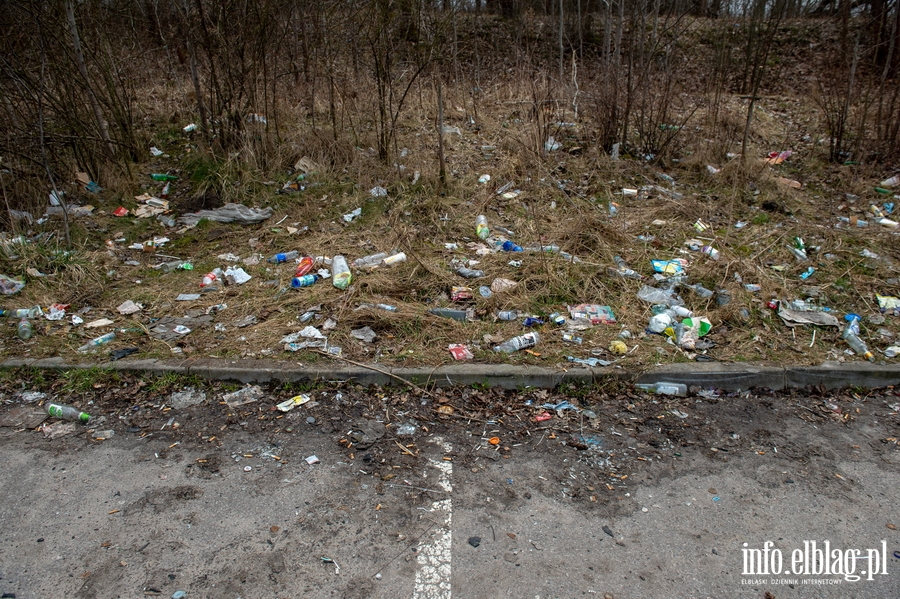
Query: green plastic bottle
{"x": 67, "y": 413}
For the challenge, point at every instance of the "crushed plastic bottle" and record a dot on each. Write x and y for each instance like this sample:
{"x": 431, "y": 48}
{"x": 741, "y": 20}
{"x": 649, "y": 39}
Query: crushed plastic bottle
{"x": 622, "y": 269}
{"x": 516, "y": 343}
{"x": 453, "y": 313}
{"x": 654, "y": 295}
{"x": 469, "y": 273}
{"x": 851, "y": 336}
{"x": 664, "y": 388}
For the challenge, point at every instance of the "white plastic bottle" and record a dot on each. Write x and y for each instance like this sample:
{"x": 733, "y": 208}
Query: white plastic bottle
{"x": 664, "y": 388}
{"x": 516, "y": 343}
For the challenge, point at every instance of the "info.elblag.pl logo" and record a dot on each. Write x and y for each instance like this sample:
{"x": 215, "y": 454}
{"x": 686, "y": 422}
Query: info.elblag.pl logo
{"x": 815, "y": 559}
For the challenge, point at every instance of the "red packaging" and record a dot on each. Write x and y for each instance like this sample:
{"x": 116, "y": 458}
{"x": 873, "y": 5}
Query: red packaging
{"x": 306, "y": 265}
{"x": 120, "y": 211}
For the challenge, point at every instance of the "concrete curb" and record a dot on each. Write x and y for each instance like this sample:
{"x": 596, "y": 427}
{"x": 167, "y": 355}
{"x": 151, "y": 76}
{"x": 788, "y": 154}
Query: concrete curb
{"x": 711, "y": 375}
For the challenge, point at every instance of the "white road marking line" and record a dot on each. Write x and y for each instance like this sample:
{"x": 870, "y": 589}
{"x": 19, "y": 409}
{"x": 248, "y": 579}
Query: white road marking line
{"x": 433, "y": 575}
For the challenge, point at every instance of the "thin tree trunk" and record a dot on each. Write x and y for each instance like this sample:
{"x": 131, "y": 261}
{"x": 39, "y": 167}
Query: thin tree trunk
{"x": 82, "y": 68}
{"x": 560, "y": 42}
{"x": 440, "y": 132}
{"x": 195, "y": 79}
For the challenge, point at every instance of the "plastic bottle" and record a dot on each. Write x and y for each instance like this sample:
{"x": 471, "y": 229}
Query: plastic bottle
{"x": 370, "y": 261}
{"x": 700, "y": 290}
{"x": 306, "y": 265}
{"x": 341, "y": 276}
{"x": 557, "y": 319}
{"x": 469, "y": 273}
{"x": 162, "y": 177}
{"x": 799, "y": 253}
{"x": 853, "y": 221}
{"x": 67, "y": 413}
{"x": 508, "y": 315}
{"x": 851, "y": 336}
{"x": 710, "y": 251}
{"x": 26, "y": 312}
{"x": 516, "y": 343}
{"x": 481, "y": 226}
{"x": 622, "y": 269}
{"x": 395, "y": 259}
{"x": 453, "y": 313}
{"x": 681, "y": 312}
{"x": 304, "y": 281}
{"x": 279, "y": 258}
{"x": 93, "y": 343}
{"x": 664, "y": 388}
{"x": 24, "y": 330}
{"x": 211, "y": 277}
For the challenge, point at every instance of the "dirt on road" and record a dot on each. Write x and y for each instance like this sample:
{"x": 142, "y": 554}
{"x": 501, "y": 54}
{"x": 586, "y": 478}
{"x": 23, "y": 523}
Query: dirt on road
{"x": 471, "y": 492}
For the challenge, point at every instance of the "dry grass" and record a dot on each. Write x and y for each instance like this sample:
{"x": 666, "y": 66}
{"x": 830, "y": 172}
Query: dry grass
{"x": 564, "y": 201}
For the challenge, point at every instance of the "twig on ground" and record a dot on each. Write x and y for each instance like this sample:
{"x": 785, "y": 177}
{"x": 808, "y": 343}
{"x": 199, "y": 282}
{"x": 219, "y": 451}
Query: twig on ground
{"x": 384, "y": 372}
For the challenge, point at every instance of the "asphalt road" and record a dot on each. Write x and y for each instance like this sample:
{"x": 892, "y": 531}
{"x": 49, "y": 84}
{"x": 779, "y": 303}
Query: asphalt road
{"x": 700, "y": 498}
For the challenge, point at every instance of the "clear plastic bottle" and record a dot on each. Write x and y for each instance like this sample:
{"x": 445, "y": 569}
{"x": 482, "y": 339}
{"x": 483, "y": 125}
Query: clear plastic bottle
{"x": 851, "y": 336}
{"x": 67, "y": 413}
{"x": 516, "y": 343}
{"x": 26, "y": 312}
{"x": 93, "y": 343}
{"x": 341, "y": 275}
{"x": 211, "y": 277}
{"x": 304, "y": 281}
{"x": 24, "y": 329}
{"x": 370, "y": 261}
{"x": 469, "y": 273}
{"x": 622, "y": 269}
{"x": 481, "y": 226}
{"x": 453, "y": 313}
{"x": 664, "y": 388}
{"x": 700, "y": 290}
{"x": 508, "y": 315}
{"x": 287, "y": 256}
